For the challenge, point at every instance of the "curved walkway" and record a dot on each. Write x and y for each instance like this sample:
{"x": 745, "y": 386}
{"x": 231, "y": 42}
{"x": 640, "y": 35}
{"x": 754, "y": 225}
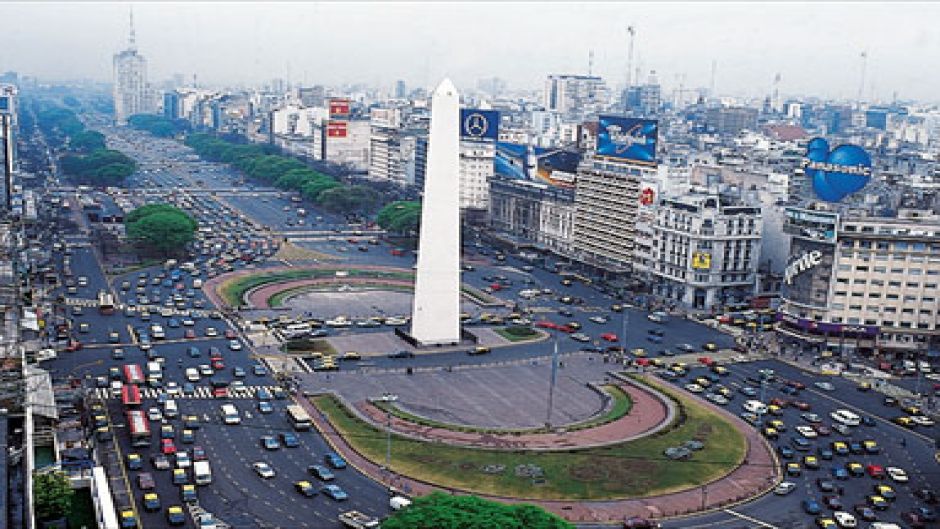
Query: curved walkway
{"x": 648, "y": 415}
{"x": 758, "y": 474}
{"x": 258, "y": 297}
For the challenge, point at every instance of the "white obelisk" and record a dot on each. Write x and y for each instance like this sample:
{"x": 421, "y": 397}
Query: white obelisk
{"x": 435, "y": 318}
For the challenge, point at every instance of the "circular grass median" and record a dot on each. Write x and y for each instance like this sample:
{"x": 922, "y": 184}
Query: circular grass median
{"x": 631, "y": 469}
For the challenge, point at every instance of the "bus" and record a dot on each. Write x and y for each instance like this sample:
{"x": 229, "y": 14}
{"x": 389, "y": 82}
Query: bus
{"x": 105, "y": 302}
{"x": 139, "y": 428}
{"x": 230, "y": 414}
{"x": 298, "y": 417}
{"x": 575, "y": 277}
{"x": 130, "y": 396}
{"x": 133, "y": 374}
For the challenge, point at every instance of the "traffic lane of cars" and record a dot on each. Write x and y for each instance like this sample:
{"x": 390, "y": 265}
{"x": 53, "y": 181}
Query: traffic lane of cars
{"x": 290, "y": 465}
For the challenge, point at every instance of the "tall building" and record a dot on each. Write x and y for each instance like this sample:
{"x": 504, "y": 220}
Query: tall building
{"x": 401, "y": 91}
{"x": 728, "y": 121}
{"x": 131, "y": 93}
{"x": 645, "y": 99}
{"x": 575, "y": 95}
{"x": 539, "y": 214}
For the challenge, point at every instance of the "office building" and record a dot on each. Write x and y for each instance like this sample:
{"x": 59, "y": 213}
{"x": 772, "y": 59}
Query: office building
{"x": 530, "y": 214}
{"x": 391, "y": 148}
{"x": 132, "y": 95}
{"x": 401, "y": 91}
{"x": 575, "y": 95}
{"x": 705, "y": 249}
{"x": 729, "y": 121}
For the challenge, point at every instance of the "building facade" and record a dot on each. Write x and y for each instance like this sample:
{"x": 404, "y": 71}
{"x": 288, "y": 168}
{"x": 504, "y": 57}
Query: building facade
{"x": 575, "y": 94}
{"x": 131, "y": 93}
{"x": 729, "y": 121}
{"x": 535, "y": 212}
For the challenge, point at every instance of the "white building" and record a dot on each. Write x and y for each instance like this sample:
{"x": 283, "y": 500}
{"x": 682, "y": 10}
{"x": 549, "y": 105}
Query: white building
{"x": 578, "y": 95}
{"x": 132, "y": 95}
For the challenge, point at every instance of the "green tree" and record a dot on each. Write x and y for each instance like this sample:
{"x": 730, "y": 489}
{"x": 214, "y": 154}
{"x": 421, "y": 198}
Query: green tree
{"x": 160, "y": 227}
{"x": 52, "y": 495}
{"x": 87, "y": 141}
{"x": 349, "y": 199}
{"x": 442, "y": 511}
{"x": 312, "y": 188}
{"x": 401, "y": 217}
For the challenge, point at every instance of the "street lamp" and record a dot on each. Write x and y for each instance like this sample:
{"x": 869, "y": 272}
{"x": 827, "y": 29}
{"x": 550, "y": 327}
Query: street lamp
{"x": 388, "y": 399}
{"x": 551, "y": 384}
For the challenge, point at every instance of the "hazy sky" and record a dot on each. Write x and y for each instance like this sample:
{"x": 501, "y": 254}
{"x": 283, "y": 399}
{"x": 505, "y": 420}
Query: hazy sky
{"x": 815, "y": 48}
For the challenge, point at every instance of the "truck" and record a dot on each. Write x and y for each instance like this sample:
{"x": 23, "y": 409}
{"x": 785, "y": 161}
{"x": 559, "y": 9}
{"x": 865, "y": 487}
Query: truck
{"x": 202, "y": 472}
{"x": 358, "y": 520}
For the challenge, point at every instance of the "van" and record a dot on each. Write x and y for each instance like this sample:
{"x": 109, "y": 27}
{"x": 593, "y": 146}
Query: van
{"x": 202, "y": 472}
{"x": 755, "y": 406}
{"x": 846, "y": 417}
{"x": 154, "y": 370}
{"x": 192, "y": 374}
{"x": 230, "y": 414}
{"x": 197, "y": 283}
{"x": 170, "y": 410}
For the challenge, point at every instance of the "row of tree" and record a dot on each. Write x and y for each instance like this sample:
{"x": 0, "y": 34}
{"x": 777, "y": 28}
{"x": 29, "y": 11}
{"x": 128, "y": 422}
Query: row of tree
{"x": 442, "y": 511}
{"x": 158, "y": 125}
{"x": 262, "y": 163}
{"x": 401, "y": 217}
{"x": 160, "y": 227}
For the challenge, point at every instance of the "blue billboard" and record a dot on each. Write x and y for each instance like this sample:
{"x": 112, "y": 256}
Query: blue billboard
{"x": 836, "y": 173}
{"x": 479, "y": 125}
{"x": 4, "y": 103}
{"x": 627, "y": 138}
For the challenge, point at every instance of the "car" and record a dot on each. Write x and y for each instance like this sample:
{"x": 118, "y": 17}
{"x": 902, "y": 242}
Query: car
{"x": 840, "y": 473}
{"x": 183, "y": 460}
{"x": 825, "y": 453}
{"x": 844, "y": 519}
{"x": 193, "y": 351}
{"x": 154, "y": 415}
{"x": 826, "y": 485}
{"x": 321, "y": 472}
{"x": 167, "y": 431}
{"x": 811, "y": 506}
{"x": 922, "y": 420}
{"x": 875, "y": 471}
{"x": 180, "y": 477}
{"x": 825, "y": 386}
{"x": 187, "y": 436}
{"x": 218, "y": 365}
{"x": 289, "y": 440}
{"x": 167, "y": 446}
{"x": 230, "y": 334}
{"x": 265, "y": 407}
{"x": 865, "y": 512}
{"x": 811, "y": 462}
{"x": 172, "y": 389}
{"x": 806, "y": 431}
{"x": 694, "y": 388}
{"x": 885, "y": 491}
{"x": 878, "y": 503}
{"x": 134, "y": 461}
{"x": 334, "y": 460}
{"x": 855, "y": 469}
{"x": 205, "y": 370}
{"x": 784, "y": 488}
{"x": 794, "y": 470}
{"x": 638, "y": 522}
{"x": 826, "y": 523}
{"x": 822, "y": 429}
{"x": 189, "y": 389}
{"x": 801, "y": 405}
{"x": 128, "y": 519}
{"x": 151, "y": 502}
{"x": 199, "y": 453}
{"x": 269, "y": 442}
{"x": 334, "y": 492}
{"x": 188, "y": 493}
{"x": 235, "y": 345}
{"x": 801, "y": 444}
{"x": 175, "y": 515}
{"x": 145, "y": 481}
{"x": 897, "y": 474}
{"x": 840, "y": 448}
{"x": 811, "y": 418}
{"x": 211, "y": 332}
{"x": 832, "y": 502}
{"x": 190, "y": 334}
{"x": 401, "y": 354}
{"x": 263, "y": 469}
{"x": 305, "y": 488}
{"x": 117, "y": 353}
{"x": 259, "y": 370}
{"x": 785, "y": 452}
{"x": 160, "y": 462}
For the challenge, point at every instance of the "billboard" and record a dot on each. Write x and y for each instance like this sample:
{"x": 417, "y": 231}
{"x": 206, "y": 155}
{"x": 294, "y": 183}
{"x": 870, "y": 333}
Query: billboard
{"x": 647, "y": 196}
{"x": 701, "y": 260}
{"x": 339, "y": 107}
{"x": 811, "y": 224}
{"x": 627, "y": 139}
{"x": 555, "y": 167}
{"x": 479, "y": 125}
{"x": 836, "y": 173}
{"x": 4, "y": 103}
{"x": 336, "y": 129}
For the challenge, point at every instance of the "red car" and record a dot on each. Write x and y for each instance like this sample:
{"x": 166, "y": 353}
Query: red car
{"x": 796, "y": 384}
{"x": 74, "y": 345}
{"x": 220, "y": 393}
{"x": 145, "y": 481}
{"x": 546, "y": 325}
{"x": 822, "y": 429}
{"x": 189, "y": 334}
{"x": 167, "y": 446}
{"x": 609, "y": 336}
{"x": 397, "y": 253}
{"x": 230, "y": 334}
{"x": 199, "y": 453}
{"x": 565, "y": 328}
{"x": 779, "y": 402}
{"x": 801, "y": 405}
{"x": 218, "y": 365}
{"x": 875, "y": 471}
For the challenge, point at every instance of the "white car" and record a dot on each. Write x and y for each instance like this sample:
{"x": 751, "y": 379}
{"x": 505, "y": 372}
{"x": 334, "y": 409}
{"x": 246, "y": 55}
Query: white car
{"x": 212, "y": 331}
{"x": 897, "y": 474}
{"x": 806, "y": 431}
{"x": 188, "y": 322}
{"x": 600, "y": 320}
{"x": 183, "y": 460}
{"x": 785, "y": 488}
{"x": 192, "y": 374}
{"x": 205, "y": 370}
{"x": 825, "y": 386}
{"x": 922, "y": 420}
{"x": 694, "y": 388}
{"x": 173, "y": 389}
{"x": 235, "y": 345}
{"x": 263, "y": 469}
{"x": 154, "y": 414}
{"x": 844, "y": 519}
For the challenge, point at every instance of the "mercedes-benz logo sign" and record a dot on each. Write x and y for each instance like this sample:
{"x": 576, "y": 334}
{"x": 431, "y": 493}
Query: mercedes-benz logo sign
{"x": 475, "y": 125}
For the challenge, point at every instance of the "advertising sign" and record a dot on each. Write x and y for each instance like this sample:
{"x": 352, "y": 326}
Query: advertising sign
{"x": 836, "y": 173}
{"x": 647, "y": 196}
{"x": 627, "y": 138}
{"x": 339, "y": 107}
{"x": 701, "y": 260}
{"x": 479, "y": 125}
{"x": 818, "y": 225}
{"x": 4, "y": 103}
{"x": 336, "y": 129}
{"x": 803, "y": 263}
{"x": 556, "y": 167}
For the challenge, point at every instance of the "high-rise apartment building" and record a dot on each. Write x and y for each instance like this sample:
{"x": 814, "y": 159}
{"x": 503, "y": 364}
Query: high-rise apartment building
{"x": 575, "y": 95}
{"x": 132, "y": 95}
{"x": 728, "y": 121}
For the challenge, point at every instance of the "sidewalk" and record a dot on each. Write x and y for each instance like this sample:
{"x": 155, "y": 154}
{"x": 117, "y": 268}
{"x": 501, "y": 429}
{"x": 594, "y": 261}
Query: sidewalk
{"x": 756, "y": 476}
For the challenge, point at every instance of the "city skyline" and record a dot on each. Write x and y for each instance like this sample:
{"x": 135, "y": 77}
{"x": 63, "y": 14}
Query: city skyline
{"x": 814, "y": 53}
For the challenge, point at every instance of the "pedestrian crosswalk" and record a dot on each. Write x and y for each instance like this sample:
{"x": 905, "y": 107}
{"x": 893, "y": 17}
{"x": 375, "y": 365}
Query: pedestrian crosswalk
{"x": 153, "y": 309}
{"x": 200, "y": 392}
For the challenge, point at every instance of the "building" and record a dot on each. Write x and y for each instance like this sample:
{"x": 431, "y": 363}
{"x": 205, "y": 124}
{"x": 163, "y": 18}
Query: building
{"x": 729, "y": 121}
{"x": 705, "y": 250}
{"x": 314, "y": 96}
{"x": 643, "y": 100}
{"x": 391, "y": 149}
{"x": 132, "y": 94}
{"x": 401, "y": 91}
{"x": 532, "y": 214}
{"x": 862, "y": 283}
{"x": 575, "y": 95}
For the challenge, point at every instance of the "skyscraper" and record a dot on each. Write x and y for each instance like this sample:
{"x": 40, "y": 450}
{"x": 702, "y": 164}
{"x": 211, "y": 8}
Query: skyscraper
{"x": 131, "y": 93}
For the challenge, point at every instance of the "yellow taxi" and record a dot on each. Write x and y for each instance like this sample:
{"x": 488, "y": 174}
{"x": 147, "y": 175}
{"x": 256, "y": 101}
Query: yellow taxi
{"x": 855, "y": 468}
{"x": 871, "y": 446}
{"x": 885, "y": 491}
{"x": 704, "y": 382}
{"x": 793, "y": 469}
{"x": 771, "y": 433}
{"x": 128, "y": 519}
{"x": 811, "y": 462}
{"x": 720, "y": 370}
{"x": 658, "y": 362}
{"x": 710, "y": 346}
{"x": 773, "y": 409}
{"x": 864, "y": 386}
{"x": 175, "y": 515}
{"x": 906, "y": 422}
{"x": 351, "y": 355}
{"x": 777, "y": 424}
{"x": 826, "y": 523}
{"x": 911, "y": 410}
{"x": 724, "y": 392}
{"x": 639, "y": 352}
{"x": 305, "y": 488}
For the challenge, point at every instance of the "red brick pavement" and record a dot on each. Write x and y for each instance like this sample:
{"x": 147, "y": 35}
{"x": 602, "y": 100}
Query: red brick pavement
{"x": 758, "y": 473}
{"x": 259, "y": 297}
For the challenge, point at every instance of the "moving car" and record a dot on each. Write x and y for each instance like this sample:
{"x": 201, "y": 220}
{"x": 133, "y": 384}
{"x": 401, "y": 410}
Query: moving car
{"x": 334, "y": 492}
{"x": 263, "y": 469}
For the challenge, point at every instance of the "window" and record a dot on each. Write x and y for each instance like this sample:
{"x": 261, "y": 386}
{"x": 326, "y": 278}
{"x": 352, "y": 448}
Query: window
{"x": 855, "y": 307}
{"x": 892, "y": 296}
{"x": 896, "y": 284}
{"x": 907, "y": 311}
{"x": 838, "y": 306}
{"x": 842, "y": 280}
{"x": 861, "y": 268}
{"x": 910, "y": 298}
{"x": 912, "y": 285}
{"x": 871, "y": 322}
{"x": 915, "y": 271}
{"x": 844, "y": 267}
{"x": 861, "y": 281}
{"x": 897, "y": 270}
{"x": 891, "y": 309}
{"x": 874, "y": 295}
{"x": 880, "y": 269}
{"x": 928, "y": 312}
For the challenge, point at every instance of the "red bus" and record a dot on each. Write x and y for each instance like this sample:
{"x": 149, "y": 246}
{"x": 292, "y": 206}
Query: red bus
{"x": 133, "y": 374}
{"x": 139, "y": 428}
{"x": 130, "y": 396}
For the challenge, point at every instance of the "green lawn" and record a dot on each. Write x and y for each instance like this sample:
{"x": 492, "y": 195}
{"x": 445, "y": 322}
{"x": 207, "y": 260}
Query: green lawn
{"x": 278, "y": 298}
{"x": 631, "y": 469}
{"x": 518, "y": 333}
{"x": 233, "y": 291}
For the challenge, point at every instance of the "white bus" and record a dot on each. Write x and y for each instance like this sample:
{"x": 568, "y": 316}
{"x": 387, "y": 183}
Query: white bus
{"x": 230, "y": 414}
{"x": 202, "y": 472}
{"x": 846, "y": 417}
{"x": 298, "y": 417}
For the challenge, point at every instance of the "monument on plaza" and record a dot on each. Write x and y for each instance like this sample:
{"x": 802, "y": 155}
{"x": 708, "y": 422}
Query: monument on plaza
{"x": 435, "y": 317}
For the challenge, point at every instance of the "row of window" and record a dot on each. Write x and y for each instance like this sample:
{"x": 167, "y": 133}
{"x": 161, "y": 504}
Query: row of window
{"x": 879, "y": 309}
{"x": 898, "y": 246}
{"x": 877, "y": 295}
{"x": 886, "y": 270}
{"x": 891, "y": 283}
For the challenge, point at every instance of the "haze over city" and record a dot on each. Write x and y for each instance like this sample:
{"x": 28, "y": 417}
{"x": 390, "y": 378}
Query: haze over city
{"x": 815, "y": 47}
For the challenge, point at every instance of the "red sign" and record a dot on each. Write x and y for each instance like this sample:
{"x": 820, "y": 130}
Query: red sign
{"x": 339, "y": 107}
{"x": 336, "y": 129}
{"x": 647, "y": 196}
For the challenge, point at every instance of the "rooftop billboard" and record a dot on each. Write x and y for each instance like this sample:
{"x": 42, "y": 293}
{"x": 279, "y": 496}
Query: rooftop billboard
{"x": 479, "y": 125}
{"x": 836, "y": 173}
{"x": 625, "y": 138}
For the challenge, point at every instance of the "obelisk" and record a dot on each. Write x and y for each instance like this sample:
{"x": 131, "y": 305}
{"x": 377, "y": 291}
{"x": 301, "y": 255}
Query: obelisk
{"x": 435, "y": 317}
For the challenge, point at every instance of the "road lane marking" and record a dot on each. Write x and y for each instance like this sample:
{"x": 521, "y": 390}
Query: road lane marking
{"x": 750, "y": 519}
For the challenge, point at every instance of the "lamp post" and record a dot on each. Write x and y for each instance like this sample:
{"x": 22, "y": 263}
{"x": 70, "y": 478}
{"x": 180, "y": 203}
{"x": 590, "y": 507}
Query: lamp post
{"x": 388, "y": 399}
{"x": 623, "y": 329}
{"x": 551, "y": 384}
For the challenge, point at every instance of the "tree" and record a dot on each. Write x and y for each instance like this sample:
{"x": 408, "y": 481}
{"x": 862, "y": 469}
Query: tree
{"x": 52, "y": 495}
{"x": 160, "y": 227}
{"x": 402, "y": 217}
{"x": 312, "y": 188}
{"x": 87, "y": 141}
{"x": 349, "y": 199}
{"x": 442, "y": 511}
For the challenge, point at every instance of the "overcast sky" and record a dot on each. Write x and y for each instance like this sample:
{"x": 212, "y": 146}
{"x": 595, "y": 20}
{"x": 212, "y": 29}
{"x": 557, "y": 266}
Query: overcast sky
{"x": 815, "y": 48}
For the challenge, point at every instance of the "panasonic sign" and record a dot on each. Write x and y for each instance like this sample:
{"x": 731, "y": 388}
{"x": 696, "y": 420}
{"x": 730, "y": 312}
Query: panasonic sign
{"x": 804, "y": 263}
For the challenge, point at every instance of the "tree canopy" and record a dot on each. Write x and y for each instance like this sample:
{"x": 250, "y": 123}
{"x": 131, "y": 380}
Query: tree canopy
{"x": 158, "y": 125}
{"x": 402, "y": 217}
{"x": 349, "y": 199}
{"x": 52, "y": 495}
{"x": 87, "y": 141}
{"x": 442, "y": 511}
{"x": 160, "y": 227}
{"x": 103, "y": 167}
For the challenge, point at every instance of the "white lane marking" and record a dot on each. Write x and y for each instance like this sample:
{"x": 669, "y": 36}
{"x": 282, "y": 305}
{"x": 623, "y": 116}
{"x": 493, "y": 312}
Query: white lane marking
{"x": 750, "y": 519}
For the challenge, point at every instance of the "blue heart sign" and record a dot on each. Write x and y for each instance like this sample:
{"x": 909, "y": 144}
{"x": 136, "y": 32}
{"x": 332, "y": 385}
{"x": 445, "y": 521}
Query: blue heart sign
{"x": 836, "y": 173}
